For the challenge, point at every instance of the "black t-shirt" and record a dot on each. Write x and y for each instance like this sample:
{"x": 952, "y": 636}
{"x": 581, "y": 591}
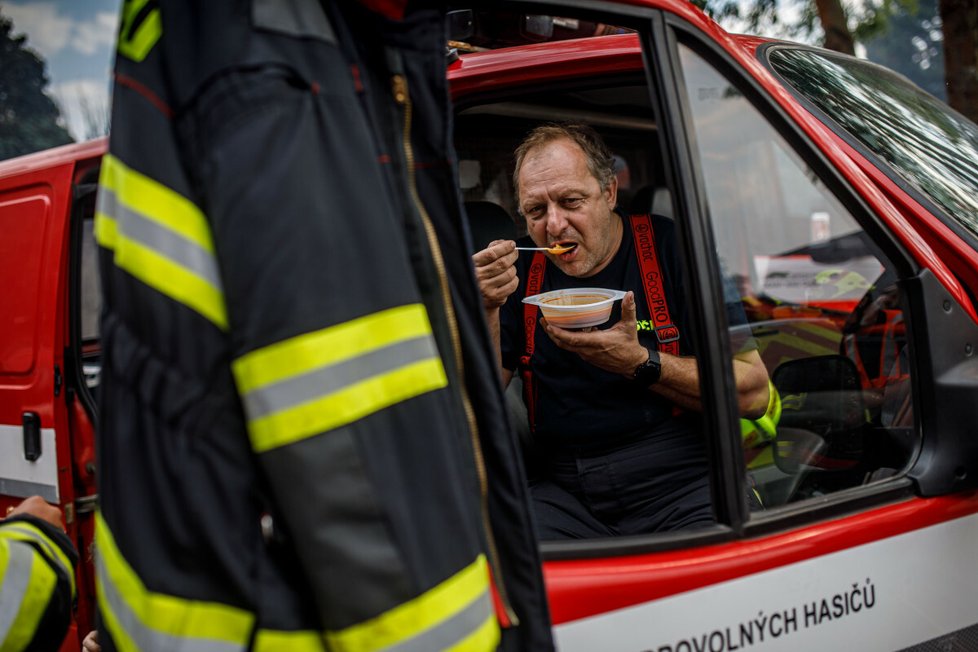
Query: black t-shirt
{"x": 576, "y": 401}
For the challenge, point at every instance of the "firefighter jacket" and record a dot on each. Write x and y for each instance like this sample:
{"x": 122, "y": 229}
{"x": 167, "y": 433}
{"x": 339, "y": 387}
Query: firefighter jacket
{"x": 302, "y": 440}
{"x": 37, "y": 584}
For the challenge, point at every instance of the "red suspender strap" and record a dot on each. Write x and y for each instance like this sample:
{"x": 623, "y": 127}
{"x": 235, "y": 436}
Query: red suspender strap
{"x": 533, "y": 284}
{"x": 666, "y": 332}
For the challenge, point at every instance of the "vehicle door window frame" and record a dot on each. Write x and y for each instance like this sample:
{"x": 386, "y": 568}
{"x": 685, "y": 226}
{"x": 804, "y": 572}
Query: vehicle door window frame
{"x": 704, "y": 289}
{"x": 677, "y": 31}
{"x": 703, "y": 275}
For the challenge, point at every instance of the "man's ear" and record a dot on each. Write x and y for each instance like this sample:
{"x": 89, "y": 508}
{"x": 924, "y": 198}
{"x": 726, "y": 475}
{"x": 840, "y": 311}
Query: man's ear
{"x": 611, "y": 193}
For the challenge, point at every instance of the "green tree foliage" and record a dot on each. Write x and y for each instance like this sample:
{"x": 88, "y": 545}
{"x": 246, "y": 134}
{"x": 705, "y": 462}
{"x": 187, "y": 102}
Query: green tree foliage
{"x": 911, "y": 44}
{"x": 29, "y": 119}
{"x": 911, "y": 29}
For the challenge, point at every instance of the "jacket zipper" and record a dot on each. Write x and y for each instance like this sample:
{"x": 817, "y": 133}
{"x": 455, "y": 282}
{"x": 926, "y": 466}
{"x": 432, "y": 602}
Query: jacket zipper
{"x": 400, "y": 89}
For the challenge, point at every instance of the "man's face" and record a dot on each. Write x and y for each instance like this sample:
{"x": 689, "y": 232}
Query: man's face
{"x": 564, "y": 204}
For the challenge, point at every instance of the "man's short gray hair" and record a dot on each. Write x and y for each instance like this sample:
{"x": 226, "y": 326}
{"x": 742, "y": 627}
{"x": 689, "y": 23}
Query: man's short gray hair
{"x": 600, "y": 161}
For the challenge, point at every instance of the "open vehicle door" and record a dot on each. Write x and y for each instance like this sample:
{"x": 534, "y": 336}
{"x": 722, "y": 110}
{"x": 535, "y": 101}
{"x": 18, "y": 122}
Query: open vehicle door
{"x": 46, "y": 412}
{"x": 868, "y": 334}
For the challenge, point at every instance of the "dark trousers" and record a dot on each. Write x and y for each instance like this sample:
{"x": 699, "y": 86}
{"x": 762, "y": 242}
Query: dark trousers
{"x": 654, "y": 482}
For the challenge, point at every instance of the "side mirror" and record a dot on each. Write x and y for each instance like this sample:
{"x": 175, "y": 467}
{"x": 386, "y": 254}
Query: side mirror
{"x": 459, "y": 24}
{"x": 536, "y": 27}
{"x": 823, "y": 417}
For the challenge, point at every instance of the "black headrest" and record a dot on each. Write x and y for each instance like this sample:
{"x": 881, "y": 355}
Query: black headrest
{"x": 487, "y": 222}
{"x": 652, "y": 199}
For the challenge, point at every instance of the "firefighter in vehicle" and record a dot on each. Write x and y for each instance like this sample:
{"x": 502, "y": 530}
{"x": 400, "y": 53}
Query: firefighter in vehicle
{"x": 37, "y": 577}
{"x": 614, "y": 410}
{"x": 301, "y": 442}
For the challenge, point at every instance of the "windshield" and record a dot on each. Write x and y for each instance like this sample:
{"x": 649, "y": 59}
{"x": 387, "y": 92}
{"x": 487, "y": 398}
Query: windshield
{"x": 929, "y": 145}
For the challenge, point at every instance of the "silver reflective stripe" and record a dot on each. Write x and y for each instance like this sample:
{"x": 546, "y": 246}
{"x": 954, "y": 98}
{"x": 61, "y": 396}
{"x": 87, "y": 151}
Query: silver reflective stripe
{"x": 451, "y": 631}
{"x": 326, "y": 380}
{"x": 50, "y": 549}
{"x": 137, "y": 227}
{"x": 16, "y": 578}
{"x": 146, "y": 638}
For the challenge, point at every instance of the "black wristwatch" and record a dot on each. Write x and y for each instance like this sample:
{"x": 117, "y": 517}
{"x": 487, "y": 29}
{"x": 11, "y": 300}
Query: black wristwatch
{"x": 648, "y": 372}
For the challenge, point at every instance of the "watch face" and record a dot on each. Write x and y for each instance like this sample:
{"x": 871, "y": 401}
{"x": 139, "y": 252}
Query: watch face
{"x": 648, "y": 372}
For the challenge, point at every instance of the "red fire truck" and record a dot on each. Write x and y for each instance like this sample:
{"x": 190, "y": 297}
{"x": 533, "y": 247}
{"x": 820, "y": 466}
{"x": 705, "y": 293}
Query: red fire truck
{"x": 835, "y": 199}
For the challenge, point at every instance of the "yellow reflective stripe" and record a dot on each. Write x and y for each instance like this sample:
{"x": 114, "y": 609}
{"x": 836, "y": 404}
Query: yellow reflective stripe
{"x": 35, "y": 582}
{"x": 763, "y": 459}
{"x": 156, "y": 202}
{"x": 346, "y": 406}
{"x": 833, "y": 335}
{"x": 106, "y": 230}
{"x": 171, "y": 279}
{"x": 28, "y": 532}
{"x": 794, "y": 401}
{"x": 268, "y": 640}
{"x": 137, "y": 45}
{"x": 319, "y": 381}
{"x": 767, "y": 424}
{"x": 159, "y": 237}
{"x": 141, "y": 619}
{"x": 309, "y": 351}
{"x": 803, "y": 344}
{"x": 397, "y": 628}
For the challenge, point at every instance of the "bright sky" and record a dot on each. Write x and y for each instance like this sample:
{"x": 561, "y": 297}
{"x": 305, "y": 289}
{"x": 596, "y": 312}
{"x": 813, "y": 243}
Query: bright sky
{"x": 76, "y": 39}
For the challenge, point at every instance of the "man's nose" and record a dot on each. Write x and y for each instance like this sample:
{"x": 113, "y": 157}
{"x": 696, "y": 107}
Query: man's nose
{"x": 556, "y": 221}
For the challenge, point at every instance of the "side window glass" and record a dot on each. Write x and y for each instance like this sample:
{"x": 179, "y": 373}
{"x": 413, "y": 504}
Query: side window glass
{"x": 90, "y": 304}
{"x": 817, "y": 302}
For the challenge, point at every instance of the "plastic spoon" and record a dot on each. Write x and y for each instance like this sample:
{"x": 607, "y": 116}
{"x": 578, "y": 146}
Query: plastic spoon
{"x": 558, "y": 249}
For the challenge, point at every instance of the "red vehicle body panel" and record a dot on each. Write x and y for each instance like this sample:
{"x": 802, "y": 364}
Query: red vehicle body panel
{"x": 583, "y": 588}
{"x": 36, "y": 198}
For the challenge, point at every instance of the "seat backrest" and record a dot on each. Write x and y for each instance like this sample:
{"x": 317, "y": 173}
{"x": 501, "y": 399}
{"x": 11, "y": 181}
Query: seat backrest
{"x": 487, "y": 222}
{"x": 652, "y": 199}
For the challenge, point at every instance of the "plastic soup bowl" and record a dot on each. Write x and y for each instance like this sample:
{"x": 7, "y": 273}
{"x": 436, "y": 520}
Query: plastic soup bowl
{"x": 576, "y": 307}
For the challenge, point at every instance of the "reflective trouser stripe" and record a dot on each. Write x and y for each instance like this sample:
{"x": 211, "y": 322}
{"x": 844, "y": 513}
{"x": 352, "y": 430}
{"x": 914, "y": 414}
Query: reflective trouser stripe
{"x": 139, "y": 619}
{"x": 267, "y": 640}
{"x": 455, "y": 615}
{"x": 319, "y": 381}
{"x": 159, "y": 237}
{"x": 137, "y": 43}
{"x": 29, "y": 533}
{"x": 805, "y": 345}
{"x": 26, "y": 585}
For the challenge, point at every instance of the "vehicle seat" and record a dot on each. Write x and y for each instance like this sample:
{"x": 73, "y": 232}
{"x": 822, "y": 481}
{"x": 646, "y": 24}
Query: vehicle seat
{"x": 487, "y": 222}
{"x": 652, "y": 199}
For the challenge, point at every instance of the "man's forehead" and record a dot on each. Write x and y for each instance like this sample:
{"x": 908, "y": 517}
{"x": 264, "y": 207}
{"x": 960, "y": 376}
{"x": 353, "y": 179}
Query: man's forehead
{"x": 562, "y": 148}
{"x": 555, "y": 172}
{"x": 556, "y": 188}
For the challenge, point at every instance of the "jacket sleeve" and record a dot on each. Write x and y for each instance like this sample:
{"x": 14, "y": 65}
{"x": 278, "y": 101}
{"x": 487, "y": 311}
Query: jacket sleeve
{"x": 37, "y": 584}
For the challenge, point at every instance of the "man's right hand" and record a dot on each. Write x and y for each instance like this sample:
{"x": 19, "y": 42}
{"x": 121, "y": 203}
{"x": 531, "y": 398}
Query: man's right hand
{"x": 495, "y": 270}
{"x": 36, "y": 506}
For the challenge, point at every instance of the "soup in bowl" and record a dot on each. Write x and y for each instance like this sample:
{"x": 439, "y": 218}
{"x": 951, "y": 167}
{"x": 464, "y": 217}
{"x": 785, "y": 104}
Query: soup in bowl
{"x": 576, "y": 307}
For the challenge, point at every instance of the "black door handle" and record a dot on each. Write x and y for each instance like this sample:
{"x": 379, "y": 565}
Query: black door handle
{"x": 32, "y": 436}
